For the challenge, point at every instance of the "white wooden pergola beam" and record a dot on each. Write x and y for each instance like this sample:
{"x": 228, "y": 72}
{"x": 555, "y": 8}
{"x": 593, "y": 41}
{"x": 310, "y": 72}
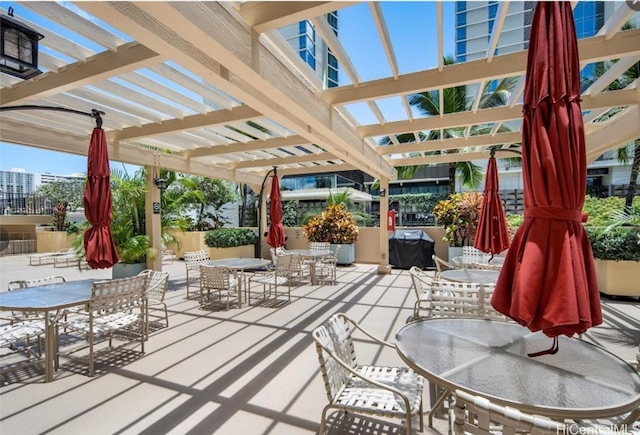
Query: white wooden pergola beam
{"x": 621, "y": 15}
{"x": 317, "y": 169}
{"x": 271, "y": 15}
{"x": 383, "y": 32}
{"x": 30, "y": 135}
{"x": 225, "y": 53}
{"x": 624, "y": 97}
{"x": 258, "y": 163}
{"x": 615, "y": 71}
{"x": 617, "y": 132}
{"x": 498, "y": 23}
{"x": 455, "y": 143}
{"x": 216, "y": 117}
{"x": 441, "y": 158}
{"x": 256, "y": 145}
{"x": 439, "y": 20}
{"x": 102, "y": 66}
{"x": 623, "y": 44}
{"x": 323, "y": 27}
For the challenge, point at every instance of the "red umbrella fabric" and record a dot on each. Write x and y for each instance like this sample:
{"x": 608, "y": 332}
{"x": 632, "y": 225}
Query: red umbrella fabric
{"x": 492, "y": 235}
{"x": 98, "y": 242}
{"x": 275, "y": 237}
{"x": 548, "y": 281}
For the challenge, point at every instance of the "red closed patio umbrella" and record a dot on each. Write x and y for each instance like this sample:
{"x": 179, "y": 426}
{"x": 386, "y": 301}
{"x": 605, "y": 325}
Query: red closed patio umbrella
{"x": 276, "y": 236}
{"x": 492, "y": 235}
{"x": 98, "y": 243}
{"x": 548, "y": 281}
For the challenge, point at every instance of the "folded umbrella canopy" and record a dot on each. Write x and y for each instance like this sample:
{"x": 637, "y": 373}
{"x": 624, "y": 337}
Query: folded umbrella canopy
{"x": 548, "y": 281}
{"x": 492, "y": 235}
{"x": 276, "y": 236}
{"x": 98, "y": 243}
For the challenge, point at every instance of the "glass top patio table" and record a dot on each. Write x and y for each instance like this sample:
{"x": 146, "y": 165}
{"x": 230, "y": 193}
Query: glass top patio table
{"x": 490, "y": 359}
{"x": 311, "y": 254}
{"x": 478, "y": 276}
{"x": 45, "y": 298}
{"x": 470, "y": 260}
{"x": 240, "y": 264}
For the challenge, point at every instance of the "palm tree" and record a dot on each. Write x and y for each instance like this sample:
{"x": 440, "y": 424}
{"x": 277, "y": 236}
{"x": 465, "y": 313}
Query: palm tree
{"x": 454, "y": 100}
{"x": 631, "y": 151}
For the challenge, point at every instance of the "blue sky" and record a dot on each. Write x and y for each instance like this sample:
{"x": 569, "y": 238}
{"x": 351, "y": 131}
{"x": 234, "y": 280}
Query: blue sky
{"x": 357, "y": 33}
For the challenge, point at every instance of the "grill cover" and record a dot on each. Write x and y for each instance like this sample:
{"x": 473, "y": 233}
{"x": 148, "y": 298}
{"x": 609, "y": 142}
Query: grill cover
{"x": 411, "y": 248}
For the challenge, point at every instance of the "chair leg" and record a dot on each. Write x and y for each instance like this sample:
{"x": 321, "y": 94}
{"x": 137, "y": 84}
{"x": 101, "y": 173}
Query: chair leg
{"x": 187, "y": 283}
{"x": 323, "y": 420}
{"x": 409, "y": 430}
{"x": 91, "y": 351}
{"x": 166, "y": 314}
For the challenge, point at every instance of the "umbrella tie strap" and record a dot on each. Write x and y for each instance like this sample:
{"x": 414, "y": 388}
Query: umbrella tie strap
{"x": 551, "y": 351}
{"x": 557, "y": 213}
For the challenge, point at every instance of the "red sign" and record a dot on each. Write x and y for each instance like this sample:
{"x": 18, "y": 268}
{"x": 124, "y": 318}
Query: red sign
{"x": 391, "y": 220}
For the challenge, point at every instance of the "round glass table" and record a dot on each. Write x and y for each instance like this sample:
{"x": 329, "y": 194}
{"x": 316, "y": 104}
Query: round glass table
{"x": 490, "y": 359}
{"x": 240, "y": 264}
{"x": 477, "y": 276}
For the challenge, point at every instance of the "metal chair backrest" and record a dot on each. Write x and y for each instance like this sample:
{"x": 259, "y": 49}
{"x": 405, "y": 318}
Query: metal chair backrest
{"x": 157, "y": 284}
{"x": 477, "y": 415}
{"x": 320, "y": 246}
{"x": 421, "y": 283}
{"x": 214, "y": 277}
{"x": 458, "y": 299}
{"x": 193, "y": 259}
{"x": 117, "y": 295}
{"x": 44, "y": 281}
{"x": 441, "y": 265}
{"x": 334, "y": 341}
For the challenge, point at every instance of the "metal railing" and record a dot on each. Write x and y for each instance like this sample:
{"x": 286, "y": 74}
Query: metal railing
{"x": 25, "y": 204}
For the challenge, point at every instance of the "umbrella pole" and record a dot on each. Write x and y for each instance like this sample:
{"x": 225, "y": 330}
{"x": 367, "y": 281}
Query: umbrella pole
{"x": 258, "y": 250}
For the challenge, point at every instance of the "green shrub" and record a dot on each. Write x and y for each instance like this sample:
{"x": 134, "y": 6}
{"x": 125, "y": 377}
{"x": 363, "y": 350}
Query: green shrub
{"x": 620, "y": 243}
{"x": 230, "y": 237}
{"x": 602, "y": 210}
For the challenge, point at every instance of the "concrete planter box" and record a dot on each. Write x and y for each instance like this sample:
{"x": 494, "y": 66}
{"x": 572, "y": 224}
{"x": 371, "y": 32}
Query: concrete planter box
{"x": 52, "y": 241}
{"x": 618, "y": 278}
{"x": 122, "y": 270}
{"x": 346, "y": 254}
{"x": 236, "y": 252}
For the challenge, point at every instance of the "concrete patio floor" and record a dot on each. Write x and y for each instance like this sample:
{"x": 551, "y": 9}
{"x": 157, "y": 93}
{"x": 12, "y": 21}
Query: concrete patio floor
{"x": 245, "y": 371}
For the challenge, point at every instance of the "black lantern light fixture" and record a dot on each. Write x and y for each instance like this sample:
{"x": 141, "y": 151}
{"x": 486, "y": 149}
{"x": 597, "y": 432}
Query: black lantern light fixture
{"x": 19, "y": 48}
{"x": 160, "y": 183}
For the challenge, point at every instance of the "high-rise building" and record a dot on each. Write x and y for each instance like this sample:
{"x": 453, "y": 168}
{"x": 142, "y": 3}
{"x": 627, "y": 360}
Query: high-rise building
{"x": 16, "y": 181}
{"x": 312, "y": 49}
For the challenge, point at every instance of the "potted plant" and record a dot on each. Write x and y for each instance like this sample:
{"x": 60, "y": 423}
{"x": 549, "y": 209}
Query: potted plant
{"x": 617, "y": 254}
{"x": 335, "y": 225}
{"x": 459, "y": 214}
{"x": 230, "y": 242}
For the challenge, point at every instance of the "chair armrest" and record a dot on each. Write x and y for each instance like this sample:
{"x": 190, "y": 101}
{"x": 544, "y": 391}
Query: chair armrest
{"x": 368, "y": 334}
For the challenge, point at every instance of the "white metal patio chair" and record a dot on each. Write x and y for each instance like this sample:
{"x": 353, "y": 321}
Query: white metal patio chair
{"x": 421, "y": 284}
{"x": 477, "y": 415}
{"x": 217, "y": 279}
{"x": 115, "y": 305}
{"x": 157, "y": 284}
{"x": 276, "y": 277}
{"x": 192, "y": 261}
{"x": 22, "y": 331}
{"x": 441, "y": 265}
{"x": 394, "y": 392}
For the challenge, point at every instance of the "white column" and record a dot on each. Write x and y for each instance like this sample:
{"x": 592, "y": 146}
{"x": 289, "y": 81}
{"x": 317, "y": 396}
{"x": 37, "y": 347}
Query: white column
{"x": 153, "y": 220}
{"x": 384, "y": 268}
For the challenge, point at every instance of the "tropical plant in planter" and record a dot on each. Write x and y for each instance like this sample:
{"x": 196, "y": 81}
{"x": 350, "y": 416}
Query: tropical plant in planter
{"x": 335, "y": 225}
{"x": 459, "y": 216}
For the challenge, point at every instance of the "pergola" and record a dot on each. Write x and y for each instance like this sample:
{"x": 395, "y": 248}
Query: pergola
{"x": 261, "y": 105}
